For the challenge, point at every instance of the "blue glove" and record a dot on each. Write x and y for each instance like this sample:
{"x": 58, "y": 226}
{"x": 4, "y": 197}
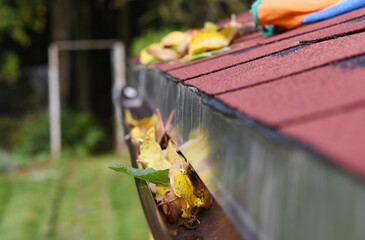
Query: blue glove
{"x": 339, "y": 8}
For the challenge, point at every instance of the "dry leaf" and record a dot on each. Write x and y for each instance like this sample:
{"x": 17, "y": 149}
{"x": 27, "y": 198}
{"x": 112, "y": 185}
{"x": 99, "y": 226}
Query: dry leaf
{"x": 204, "y": 41}
{"x": 170, "y": 195}
{"x": 163, "y": 54}
{"x": 234, "y": 23}
{"x": 172, "y": 210}
{"x": 145, "y": 57}
{"x": 129, "y": 118}
{"x": 184, "y": 188}
{"x": 174, "y": 167}
{"x": 209, "y": 26}
{"x": 136, "y": 133}
{"x": 182, "y": 49}
{"x": 144, "y": 123}
{"x": 175, "y": 38}
{"x": 152, "y": 187}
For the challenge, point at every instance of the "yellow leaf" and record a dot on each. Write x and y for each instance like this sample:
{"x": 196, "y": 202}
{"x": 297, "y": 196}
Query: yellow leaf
{"x": 145, "y": 123}
{"x": 171, "y": 153}
{"x": 136, "y": 133}
{"x": 184, "y": 214}
{"x": 129, "y": 118}
{"x": 184, "y": 188}
{"x": 209, "y": 26}
{"x": 203, "y": 41}
{"x": 229, "y": 33}
{"x": 151, "y": 153}
{"x": 175, "y": 38}
{"x": 145, "y": 57}
{"x": 161, "y": 189}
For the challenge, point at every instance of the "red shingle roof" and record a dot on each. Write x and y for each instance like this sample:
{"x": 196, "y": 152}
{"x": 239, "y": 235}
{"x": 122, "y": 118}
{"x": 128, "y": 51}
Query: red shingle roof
{"x": 308, "y": 83}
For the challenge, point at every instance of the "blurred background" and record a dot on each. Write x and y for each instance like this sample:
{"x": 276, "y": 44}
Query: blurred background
{"x": 77, "y": 197}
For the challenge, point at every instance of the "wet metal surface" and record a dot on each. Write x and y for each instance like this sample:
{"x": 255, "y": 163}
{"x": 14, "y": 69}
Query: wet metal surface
{"x": 269, "y": 188}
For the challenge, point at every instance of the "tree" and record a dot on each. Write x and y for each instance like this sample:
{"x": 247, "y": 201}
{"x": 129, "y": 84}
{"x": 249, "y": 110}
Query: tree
{"x": 17, "y": 19}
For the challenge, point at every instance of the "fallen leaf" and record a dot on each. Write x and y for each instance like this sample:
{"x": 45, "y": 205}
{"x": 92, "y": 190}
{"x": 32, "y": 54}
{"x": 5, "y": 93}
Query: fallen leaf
{"x": 234, "y": 23}
{"x": 145, "y": 57}
{"x": 198, "y": 56}
{"x": 152, "y": 187}
{"x": 229, "y": 33}
{"x": 174, "y": 167}
{"x": 209, "y": 26}
{"x": 205, "y": 54}
{"x": 193, "y": 31}
{"x": 184, "y": 188}
{"x": 170, "y": 195}
{"x": 194, "y": 178}
{"x": 175, "y": 38}
{"x": 200, "y": 189}
{"x": 171, "y": 154}
{"x": 163, "y": 54}
{"x": 151, "y": 155}
{"x": 182, "y": 49}
{"x": 172, "y": 210}
{"x": 129, "y": 118}
{"x": 204, "y": 41}
{"x": 148, "y": 174}
{"x": 184, "y": 214}
{"x": 145, "y": 123}
{"x": 161, "y": 189}
{"x": 136, "y": 133}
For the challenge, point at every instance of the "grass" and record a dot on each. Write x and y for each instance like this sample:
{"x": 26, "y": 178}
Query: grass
{"x": 74, "y": 199}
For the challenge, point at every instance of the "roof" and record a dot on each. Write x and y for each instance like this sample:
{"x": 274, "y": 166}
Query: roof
{"x": 307, "y": 83}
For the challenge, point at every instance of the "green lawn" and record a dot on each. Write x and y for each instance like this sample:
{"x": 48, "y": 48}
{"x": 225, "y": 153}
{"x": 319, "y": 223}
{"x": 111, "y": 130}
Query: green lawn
{"x": 77, "y": 199}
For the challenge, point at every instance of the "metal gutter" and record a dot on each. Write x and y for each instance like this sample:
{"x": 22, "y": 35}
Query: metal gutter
{"x": 269, "y": 186}
{"x": 213, "y": 223}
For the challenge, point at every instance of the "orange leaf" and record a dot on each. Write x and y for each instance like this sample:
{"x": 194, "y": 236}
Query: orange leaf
{"x": 175, "y": 38}
{"x": 145, "y": 57}
{"x": 164, "y": 54}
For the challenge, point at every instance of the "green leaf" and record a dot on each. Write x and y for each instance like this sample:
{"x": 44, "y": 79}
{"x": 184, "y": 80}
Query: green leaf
{"x": 221, "y": 50}
{"x": 149, "y": 174}
{"x": 206, "y": 54}
{"x": 119, "y": 168}
{"x": 198, "y": 56}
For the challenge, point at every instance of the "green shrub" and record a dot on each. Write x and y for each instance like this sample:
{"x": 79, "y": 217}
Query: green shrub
{"x": 80, "y": 135}
{"x": 33, "y": 136}
{"x": 8, "y": 128}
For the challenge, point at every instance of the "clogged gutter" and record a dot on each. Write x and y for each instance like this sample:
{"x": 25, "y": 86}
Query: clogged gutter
{"x": 177, "y": 189}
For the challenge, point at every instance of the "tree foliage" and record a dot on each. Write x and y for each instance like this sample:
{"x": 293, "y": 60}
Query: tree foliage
{"x": 18, "y": 18}
{"x": 167, "y": 13}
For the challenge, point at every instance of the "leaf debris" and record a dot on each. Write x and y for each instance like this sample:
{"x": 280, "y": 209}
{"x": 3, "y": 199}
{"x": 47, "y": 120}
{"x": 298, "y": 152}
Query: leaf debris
{"x": 193, "y": 44}
{"x": 178, "y": 190}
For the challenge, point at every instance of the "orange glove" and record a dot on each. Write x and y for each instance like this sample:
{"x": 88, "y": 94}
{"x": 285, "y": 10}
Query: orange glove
{"x": 285, "y": 14}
